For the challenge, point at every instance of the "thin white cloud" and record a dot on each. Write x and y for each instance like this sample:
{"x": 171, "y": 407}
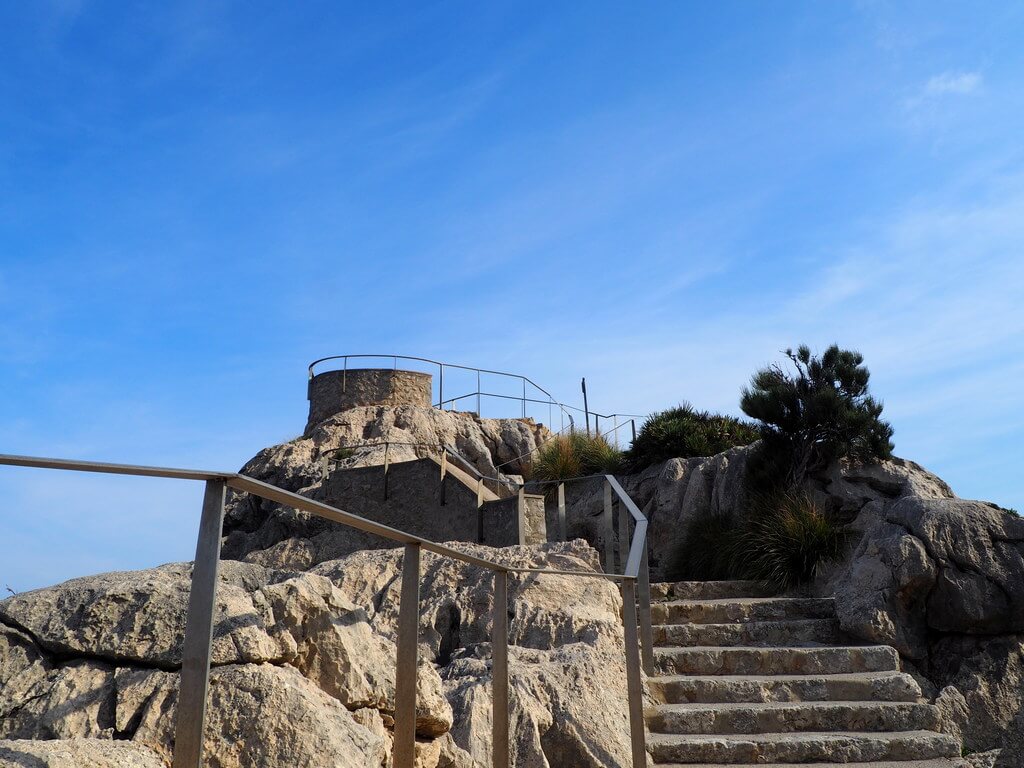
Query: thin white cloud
{"x": 953, "y": 82}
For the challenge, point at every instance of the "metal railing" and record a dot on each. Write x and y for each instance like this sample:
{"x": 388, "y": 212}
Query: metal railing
{"x": 196, "y": 651}
{"x": 532, "y": 393}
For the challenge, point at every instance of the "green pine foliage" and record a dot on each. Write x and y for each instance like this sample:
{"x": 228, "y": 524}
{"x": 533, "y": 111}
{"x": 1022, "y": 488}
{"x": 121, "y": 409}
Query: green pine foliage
{"x": 684, "y": 432}
{"x": 812, "y": 415}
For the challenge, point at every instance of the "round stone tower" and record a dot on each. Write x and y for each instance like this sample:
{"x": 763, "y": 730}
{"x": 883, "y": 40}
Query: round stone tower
{"x": 331, "y": 392}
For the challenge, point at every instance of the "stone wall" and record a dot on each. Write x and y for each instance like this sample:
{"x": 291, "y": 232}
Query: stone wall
{"x": 332, "y": 392}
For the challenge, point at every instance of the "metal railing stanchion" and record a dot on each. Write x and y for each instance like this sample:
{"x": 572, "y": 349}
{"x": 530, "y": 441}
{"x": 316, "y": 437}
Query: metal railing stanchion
{"x": 646, "y": 633}
{"x": 634, "y": 687}
{"x": 407, "y": 660}
{"x": 195, "y": 658}
{"x": 499, "y": 673}
{"x": 562, "y": 528}
{"x": 609, "y": 532}
{"x": 624, "y": 518}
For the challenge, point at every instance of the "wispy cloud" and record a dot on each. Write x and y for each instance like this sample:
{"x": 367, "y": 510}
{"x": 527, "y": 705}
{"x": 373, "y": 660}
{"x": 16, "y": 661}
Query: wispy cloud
{"x": 953, "y": 82}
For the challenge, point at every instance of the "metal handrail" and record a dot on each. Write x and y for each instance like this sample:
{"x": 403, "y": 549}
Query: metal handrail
{"x": 441, "y": 366}
{"x": 196, "y": 650}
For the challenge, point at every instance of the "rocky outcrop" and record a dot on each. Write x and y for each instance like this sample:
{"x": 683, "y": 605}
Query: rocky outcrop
{"x": 926, "y": 566}
{"x": 304, "y": 663}
{"x": 340, "y": 462}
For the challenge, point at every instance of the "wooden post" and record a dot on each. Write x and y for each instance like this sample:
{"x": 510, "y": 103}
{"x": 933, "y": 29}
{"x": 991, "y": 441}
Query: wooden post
{"x": 634, "y": 686}
{"x": 562, "y": 529}
{"x": 408, "y": 653}
{"x": 195, "y": 660}
{"x": 499, "y": 673}
{"x": 609, "y": 533}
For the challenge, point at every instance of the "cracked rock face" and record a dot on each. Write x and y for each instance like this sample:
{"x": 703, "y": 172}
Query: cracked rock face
{"x": 934, "y": 565}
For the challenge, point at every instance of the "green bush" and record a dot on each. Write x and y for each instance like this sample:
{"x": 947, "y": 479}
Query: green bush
{"x": 787, "y": 543}
{"x": 784, "y": 541}
{"x": 575, "y": 454}
{"x": 684, "y": 432}
{"x": 819, "y": 412}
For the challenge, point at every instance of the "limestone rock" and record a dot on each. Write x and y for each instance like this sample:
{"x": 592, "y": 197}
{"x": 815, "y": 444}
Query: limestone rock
{"x": 259, "y": 716}
{"x": 953, "y": 712}
{"x": 139, "y": 616}
{"x": 77, "y": 753}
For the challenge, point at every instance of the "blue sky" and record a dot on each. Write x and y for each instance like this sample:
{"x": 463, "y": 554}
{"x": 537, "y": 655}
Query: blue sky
{"x": 197, "y": 199}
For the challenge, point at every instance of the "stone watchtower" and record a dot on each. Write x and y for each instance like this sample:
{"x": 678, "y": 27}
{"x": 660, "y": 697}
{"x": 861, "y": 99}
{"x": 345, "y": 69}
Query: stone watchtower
{"x": 332, "y": 392}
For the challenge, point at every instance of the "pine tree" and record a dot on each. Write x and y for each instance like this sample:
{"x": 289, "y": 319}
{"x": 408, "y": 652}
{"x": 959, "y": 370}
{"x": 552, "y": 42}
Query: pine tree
{"x": 814, "y": 415}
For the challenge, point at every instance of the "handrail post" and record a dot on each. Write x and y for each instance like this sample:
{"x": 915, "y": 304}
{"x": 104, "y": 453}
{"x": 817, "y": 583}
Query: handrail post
{"x": 562, "y": 529}
{"x": 609, "y": 533}
{"x": 521, "y": 513}
{"x": 480, "y": 510}
{"x": 499, "y": 672}
{"x": 407, "y": 661}
{"x": 624, "y": 518}
{"x": 440, "y": 385}
{"x": 195, "y": 658}
{"x": 478, "y": 408}
{"x": 634, "y": 686}
{"x": 646, "y": 634}
{"x": 444, "y": 471}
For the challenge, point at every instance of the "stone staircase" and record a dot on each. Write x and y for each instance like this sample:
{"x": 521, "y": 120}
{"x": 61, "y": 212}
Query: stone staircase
{"x": 747, "y": 678}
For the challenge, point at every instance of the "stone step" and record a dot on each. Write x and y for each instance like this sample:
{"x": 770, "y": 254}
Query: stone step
{"x": 789, "y": 717}
{"x": 937, "y": 763}
{"x": 769, "y": 633}
{"x": 836, "y": 747}
{"x": 742, "y": 609}
{"x": 746, "y": 660}
{"x": 709, "y": 590}
{"x": 857, "y": 686}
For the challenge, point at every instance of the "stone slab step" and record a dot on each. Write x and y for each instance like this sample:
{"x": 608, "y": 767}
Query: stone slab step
{"x": 770, "y": 633}
{"x": 746, "y": 660}
{"x": 709, "y": 590}
{"x": 742, "y": 609}
{"x": 857, "y": 686}
{"x": 937, "y": 763}
{"x": 836, "y": 747}
{"x": 789, "y": 717}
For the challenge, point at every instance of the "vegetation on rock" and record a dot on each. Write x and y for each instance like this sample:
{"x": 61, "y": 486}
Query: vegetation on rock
{"x": 809, "y": 417}
{"x": 684, "y": 432}
{"x": 575, "y": 454}
{"x": 784, "y": 541}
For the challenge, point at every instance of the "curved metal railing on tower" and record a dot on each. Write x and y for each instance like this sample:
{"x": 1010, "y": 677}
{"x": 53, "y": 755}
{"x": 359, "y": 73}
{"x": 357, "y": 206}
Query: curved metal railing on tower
{"x": 532, "y": 397}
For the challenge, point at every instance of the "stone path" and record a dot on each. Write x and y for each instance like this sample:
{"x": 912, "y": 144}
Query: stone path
{"x": 751, "y": 679}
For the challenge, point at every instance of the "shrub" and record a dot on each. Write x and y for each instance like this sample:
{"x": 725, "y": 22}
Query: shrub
{"x": 684, "y": 432}
{"x": 788, "y": 542}
{"x": 814, "y": 415}
{"x": 784, "y": 541}
{"x": 575, "y": 454}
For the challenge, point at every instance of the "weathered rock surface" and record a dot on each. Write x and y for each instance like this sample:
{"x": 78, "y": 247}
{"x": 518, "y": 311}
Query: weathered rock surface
{"x": 77, "y": 753}
{"x": 304, "y": 663}
{"x": 278, "y": 537}
{"x": 934, "y": 565}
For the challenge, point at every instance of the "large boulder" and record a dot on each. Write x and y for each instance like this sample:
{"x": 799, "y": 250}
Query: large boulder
{"x": 934, "y": 565}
